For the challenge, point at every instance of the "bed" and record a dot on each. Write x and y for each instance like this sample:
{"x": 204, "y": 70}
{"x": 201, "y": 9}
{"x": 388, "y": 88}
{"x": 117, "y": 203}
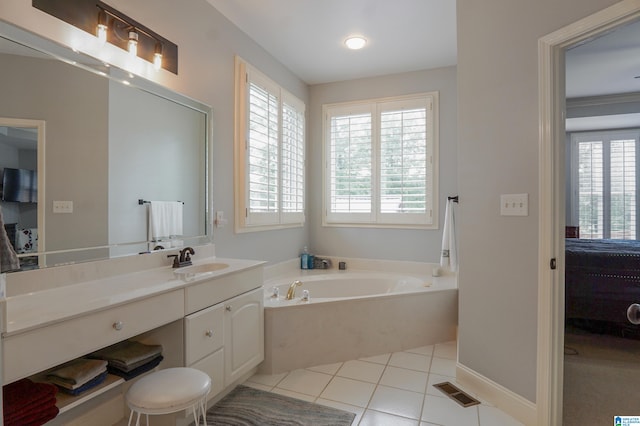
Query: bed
{"x": 602, "y": 279}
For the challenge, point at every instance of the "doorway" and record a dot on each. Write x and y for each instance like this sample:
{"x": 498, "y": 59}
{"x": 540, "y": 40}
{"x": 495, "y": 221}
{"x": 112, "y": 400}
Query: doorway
{"x": 22, "y": 187}
{"x": 551, "y": 309}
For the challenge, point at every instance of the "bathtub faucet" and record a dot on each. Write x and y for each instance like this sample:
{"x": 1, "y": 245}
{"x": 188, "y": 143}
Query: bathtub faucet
{"x": 291, "y": 293}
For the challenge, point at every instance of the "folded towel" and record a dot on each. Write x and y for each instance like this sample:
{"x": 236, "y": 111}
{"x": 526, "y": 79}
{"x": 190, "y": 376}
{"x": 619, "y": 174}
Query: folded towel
{"x": 25, "y": 402}
{"x": 8, "y": 257}
{"x": 34, "y": 417}
{"x": 128, "y": 375}
{"x": 88, "y": 385}
{"x": 127, "y": 353}
{"x": 76, "y": 373}
{"x": 165, "y": 219}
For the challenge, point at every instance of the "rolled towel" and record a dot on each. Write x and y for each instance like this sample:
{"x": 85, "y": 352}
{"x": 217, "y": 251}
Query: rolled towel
{"x": 76, "y": 373}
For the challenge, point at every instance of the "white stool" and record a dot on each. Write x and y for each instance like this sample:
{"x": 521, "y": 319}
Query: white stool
{"x": 169, "y": 391}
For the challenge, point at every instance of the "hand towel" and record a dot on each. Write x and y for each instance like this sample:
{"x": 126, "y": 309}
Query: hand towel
{"x": 128, "y": 375}
{"x": 25, "y": 402}
{"x": 86, "y": 386}
{"x": 165, "y": 219}
{"x": 449, "y": 255}
{"x": 8, "y": 257}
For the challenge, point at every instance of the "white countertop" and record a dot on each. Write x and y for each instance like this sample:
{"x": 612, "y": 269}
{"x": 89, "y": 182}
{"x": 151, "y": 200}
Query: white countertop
{"x": 36, "y": 309}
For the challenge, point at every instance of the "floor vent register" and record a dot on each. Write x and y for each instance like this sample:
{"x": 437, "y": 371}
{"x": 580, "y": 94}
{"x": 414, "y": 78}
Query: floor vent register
{"x": 456, "y": 394}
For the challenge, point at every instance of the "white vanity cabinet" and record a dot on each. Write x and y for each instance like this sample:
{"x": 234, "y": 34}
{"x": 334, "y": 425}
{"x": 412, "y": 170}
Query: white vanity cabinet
{"x": 226, "y": 339}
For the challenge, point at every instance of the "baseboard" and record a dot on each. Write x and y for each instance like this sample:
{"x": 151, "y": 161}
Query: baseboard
{"x": 511, "y": 403}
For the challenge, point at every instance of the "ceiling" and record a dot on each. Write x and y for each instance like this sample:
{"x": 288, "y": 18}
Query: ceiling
{"x": 307, "y": 36}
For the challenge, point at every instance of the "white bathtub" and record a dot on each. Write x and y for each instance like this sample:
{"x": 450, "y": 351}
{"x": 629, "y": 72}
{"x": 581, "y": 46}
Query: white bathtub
{"x": 355, "y": 314}
{"x": 346, "y": 285}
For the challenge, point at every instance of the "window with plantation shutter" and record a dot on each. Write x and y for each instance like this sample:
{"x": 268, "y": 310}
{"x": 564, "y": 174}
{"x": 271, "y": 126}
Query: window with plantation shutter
{"x": 270, "y": 153}
{"x": 380, "y": 162}
{"x": 604, "y": 183}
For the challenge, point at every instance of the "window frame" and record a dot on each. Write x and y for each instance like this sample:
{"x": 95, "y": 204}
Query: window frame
{"x": 604, "y": 136}
{"x": 245, "y": 219}
{"x": 375, "y": 218}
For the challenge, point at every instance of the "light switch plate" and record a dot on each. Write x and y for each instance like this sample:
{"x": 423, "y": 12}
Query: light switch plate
{"x": 63, "y": 206}
{"x": 514, "y": 205}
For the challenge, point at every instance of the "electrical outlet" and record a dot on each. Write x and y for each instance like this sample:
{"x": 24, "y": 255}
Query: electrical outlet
{"x": 63, "y": 206}
{"x": 514, "y": 205}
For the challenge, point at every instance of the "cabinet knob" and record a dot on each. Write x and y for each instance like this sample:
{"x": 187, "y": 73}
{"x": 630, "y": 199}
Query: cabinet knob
{"x": 209, "y": 333}
{"x": 228, "y": 308}
{"x": 118, "y": 325}
{"x": 633, "y": 313}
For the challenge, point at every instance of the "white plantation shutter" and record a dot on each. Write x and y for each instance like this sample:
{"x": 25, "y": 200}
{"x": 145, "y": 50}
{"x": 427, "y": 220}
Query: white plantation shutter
{"x": 270, "y": 146}
{"x": 406, "y": 153}
{"x": 606, "y": 183}
{"x": 292, "y": 159}
{"x": 350, "y": 157}
{"x": 262, "y": 153}
{"x": 379, "y": 165}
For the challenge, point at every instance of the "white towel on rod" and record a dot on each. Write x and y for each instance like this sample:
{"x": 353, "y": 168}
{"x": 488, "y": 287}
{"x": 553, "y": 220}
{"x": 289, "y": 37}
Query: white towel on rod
{"x": 165, "y": 219}
{"x": 449, "y": 254}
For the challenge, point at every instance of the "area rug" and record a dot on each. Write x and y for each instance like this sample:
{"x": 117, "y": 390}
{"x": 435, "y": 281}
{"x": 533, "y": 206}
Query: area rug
{"x": 246, "y": 406}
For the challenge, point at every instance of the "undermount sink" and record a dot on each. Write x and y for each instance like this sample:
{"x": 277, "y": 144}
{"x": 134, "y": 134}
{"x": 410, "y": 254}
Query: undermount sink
{"x": 195, "y": 271}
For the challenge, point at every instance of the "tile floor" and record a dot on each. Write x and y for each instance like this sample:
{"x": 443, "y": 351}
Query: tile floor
{"x": 387, "y": 390}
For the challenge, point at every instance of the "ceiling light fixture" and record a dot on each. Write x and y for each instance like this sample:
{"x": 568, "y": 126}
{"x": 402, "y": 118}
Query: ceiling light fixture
{"x": 355, "y": 42}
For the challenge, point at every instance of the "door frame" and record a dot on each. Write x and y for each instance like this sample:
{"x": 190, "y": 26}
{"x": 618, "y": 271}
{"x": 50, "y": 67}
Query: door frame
{"x": 551, "y": 181}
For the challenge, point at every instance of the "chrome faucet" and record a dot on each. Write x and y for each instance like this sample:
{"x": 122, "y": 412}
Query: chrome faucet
{"x": 291, "y": 293}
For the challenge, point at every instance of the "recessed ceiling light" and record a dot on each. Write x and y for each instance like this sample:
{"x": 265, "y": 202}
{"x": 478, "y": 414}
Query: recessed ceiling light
{"x": 355, "y": 42}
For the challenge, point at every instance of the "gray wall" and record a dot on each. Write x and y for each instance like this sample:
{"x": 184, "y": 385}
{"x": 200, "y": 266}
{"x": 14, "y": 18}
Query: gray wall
{"x": 497, "y": 154}
{"x": 405, "y": 244}
{"x": 75, "y": 142}
{"x": 207, "y": 44}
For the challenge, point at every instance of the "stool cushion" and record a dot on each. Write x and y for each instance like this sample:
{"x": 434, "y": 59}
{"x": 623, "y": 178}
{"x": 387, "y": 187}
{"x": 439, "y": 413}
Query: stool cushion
{"x": 168, "y": 391}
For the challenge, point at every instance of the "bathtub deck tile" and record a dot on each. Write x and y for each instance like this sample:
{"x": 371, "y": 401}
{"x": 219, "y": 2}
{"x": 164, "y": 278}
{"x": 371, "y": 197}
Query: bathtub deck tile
{"x": 361, "y": 370}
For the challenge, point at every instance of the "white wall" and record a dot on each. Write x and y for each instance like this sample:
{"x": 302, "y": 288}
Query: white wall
{"x": 207, "y": 43}
{"x": 406, "y": 244}
{"x": 497, "y": 154}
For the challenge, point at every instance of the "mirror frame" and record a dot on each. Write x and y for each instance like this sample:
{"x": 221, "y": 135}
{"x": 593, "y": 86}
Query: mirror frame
{"x": 97, "y": 66}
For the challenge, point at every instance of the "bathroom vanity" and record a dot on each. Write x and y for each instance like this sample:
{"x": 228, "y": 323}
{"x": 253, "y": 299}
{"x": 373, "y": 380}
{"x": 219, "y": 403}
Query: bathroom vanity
{"x": 211, "y": 321}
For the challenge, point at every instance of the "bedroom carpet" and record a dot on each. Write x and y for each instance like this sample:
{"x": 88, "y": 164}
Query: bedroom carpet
{"x": 246, "y": 406}
{"x": 601, "y": 376}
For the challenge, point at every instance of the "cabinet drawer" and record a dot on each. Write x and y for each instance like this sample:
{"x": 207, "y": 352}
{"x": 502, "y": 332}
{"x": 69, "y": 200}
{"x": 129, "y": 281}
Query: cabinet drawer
{"x": 204, "y": 333}
{"x": 37, "y": 350}
{"x": 213, "y": 365}
{"x": 214, "y": 291}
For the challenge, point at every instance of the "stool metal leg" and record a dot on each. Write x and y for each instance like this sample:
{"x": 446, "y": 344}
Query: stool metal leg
{"x": 130, "y": 418}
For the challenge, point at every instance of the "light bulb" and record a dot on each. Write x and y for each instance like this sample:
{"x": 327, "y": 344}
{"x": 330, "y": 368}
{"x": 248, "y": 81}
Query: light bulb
{"x": 157, "y": 57}
{"x": 133, "y": 43}
{"x": 101, "y": 30}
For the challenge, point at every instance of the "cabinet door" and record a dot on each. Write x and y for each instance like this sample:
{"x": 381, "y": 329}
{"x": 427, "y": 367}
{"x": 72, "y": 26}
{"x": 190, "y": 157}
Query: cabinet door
{"x": 244, "y": 334}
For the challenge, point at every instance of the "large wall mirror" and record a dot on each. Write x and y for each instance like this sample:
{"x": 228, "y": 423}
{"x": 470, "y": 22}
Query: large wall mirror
{"x": 86, "y": 149}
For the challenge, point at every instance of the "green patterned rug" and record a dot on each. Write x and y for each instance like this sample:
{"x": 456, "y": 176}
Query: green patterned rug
{"x": 246, "y": 406}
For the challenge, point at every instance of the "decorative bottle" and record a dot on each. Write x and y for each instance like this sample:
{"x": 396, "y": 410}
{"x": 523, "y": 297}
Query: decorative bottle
{"x": 304, "y": 258}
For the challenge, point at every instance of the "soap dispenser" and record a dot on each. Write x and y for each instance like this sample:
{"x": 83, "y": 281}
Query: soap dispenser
{"x": 304, "y": 258}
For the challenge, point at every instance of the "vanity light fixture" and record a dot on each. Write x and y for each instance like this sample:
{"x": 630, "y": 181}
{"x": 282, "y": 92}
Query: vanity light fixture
{"x": 355, "y": 42}
{"x": 111, "y": 26}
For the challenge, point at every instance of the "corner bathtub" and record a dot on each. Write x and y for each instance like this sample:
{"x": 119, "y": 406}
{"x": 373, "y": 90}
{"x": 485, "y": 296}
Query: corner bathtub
{"x": 355, "y": 314}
